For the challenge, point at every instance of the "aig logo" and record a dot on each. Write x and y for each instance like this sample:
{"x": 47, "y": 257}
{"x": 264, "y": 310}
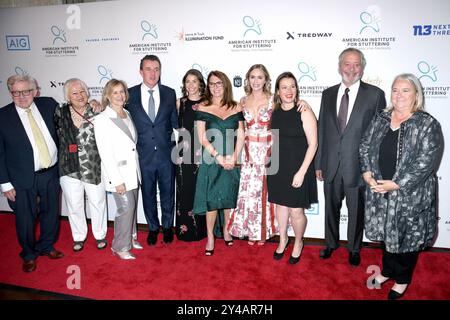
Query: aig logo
{"x": 18, "y": 43}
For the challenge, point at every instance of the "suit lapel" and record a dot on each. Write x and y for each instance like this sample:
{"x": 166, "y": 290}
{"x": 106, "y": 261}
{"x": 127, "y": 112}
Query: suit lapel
{"x": 120, "y": 123}
{"x": 360, "y": 98}
{"x": 161, "y": 99}
{"x": 333, "y": 103}
{"x": 14, "y": 118}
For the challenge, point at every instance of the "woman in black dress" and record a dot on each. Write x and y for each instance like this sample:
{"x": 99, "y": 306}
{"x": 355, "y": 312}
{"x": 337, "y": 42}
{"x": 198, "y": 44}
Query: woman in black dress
{"x": 189, "y": 227}
{"x": 293, "y": 187}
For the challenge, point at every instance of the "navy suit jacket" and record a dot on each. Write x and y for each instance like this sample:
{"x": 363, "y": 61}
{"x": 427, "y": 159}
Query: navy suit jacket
{"x": 16, "y": 152}
{"x": 342, "y": 150}
{"x": 154, "y": 135}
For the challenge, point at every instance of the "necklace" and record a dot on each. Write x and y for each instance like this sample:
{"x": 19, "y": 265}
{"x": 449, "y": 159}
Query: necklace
{"x": 77, "y": 117}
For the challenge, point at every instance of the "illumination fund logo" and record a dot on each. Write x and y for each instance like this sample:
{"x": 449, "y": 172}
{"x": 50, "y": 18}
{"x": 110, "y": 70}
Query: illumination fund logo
{"x": 59, "y": 47}
{"x": 428, "y": 76}
{"x": 252, "y": 37}
{"x": 148, "y": 40}
{"x": 370, "y": 32}
{"x": 198, "y": 36}
{"x": 306, "y": 80}
{"x": 434, "y": 30}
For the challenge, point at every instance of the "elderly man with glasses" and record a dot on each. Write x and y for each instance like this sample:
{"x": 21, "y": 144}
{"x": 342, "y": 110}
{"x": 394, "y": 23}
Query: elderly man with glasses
{"x": 28, "y": 170}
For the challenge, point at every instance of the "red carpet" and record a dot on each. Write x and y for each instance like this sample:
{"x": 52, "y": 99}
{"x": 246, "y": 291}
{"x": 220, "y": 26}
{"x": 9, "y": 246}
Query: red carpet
{"x": 180, "y": 271}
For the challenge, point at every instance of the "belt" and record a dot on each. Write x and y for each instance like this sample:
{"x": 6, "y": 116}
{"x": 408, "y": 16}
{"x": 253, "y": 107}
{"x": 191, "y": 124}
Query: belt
{"x": 267, "y": 138}
{"x": 45, "y": 169}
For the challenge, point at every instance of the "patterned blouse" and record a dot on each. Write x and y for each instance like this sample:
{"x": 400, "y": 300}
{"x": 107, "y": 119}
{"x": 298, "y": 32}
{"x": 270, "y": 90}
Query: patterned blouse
{"x": 78, "y": 154}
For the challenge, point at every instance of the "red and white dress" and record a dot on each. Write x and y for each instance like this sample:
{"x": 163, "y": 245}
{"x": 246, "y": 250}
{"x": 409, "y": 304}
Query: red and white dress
{"x": 254, "y": 216}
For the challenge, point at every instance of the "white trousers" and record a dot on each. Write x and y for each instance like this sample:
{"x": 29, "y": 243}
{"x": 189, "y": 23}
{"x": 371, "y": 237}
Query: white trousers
{"x": 73, "y": 192}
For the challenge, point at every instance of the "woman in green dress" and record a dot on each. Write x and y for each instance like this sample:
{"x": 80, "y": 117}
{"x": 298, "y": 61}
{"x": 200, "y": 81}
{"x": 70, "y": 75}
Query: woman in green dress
{"x": 220, "y": 128}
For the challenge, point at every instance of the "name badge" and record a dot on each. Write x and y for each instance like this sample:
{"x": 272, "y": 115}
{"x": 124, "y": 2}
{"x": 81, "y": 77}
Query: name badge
{"x": 73, "y": 148}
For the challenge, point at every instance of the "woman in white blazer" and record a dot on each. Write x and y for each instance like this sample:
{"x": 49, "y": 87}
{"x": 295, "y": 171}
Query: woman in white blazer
{"x": 116, "y": 141}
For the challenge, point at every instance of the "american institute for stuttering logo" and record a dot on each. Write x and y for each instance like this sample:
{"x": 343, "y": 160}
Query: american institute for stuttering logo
{"x": 104, "y": 74}
{"x": 252, "y": 37}
{"x": 59, "y": 45}
{"x": 313, "y": 210}
{"x": 307, "y": 80}
{"x": 203, "y": 70}
{"x": 370, "y": 35}
{"x": 428, "y": 76}
{"x": 147, "y": 39}
{"x": 18, "y": 43}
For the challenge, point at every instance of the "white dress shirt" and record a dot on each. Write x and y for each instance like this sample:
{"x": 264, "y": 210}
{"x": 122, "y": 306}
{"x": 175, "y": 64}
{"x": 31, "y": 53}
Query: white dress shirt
{"x": 351, "y": 97}
{"x": 145, "y": 95}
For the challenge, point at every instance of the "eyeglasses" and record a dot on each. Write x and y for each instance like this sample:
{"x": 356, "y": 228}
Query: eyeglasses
{"x": 217, "y": 84}
{"x": 24, "y": 93}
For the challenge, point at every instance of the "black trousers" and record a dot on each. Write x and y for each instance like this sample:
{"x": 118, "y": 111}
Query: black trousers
{"x": 399, "y": 266}
{"x": 27, "y": 209}
{"x": 335, "y": 192}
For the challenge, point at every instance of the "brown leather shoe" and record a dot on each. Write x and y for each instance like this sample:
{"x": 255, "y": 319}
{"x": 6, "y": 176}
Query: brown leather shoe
{"x": 29, "y": 266}
{"x": 54, "y": 254}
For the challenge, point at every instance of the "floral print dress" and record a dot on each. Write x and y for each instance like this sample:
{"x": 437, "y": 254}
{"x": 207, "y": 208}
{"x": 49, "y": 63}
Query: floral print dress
{"x": 254, "y": 216}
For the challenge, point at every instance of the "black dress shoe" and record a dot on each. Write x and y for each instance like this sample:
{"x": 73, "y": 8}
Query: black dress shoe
{"x": 29, "y": 266}
{"x": 152, "y": 237}
{"x": 54, "y": 254}
{"x": 326, "y": 253}
{"x": 354, "y": 258}
{"x": 394, "y": 295}
{"x": 168, "y": 235}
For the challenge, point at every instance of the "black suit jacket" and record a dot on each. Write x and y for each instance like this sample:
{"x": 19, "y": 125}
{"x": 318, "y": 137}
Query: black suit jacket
{"x": 16, "y": 152}
{"x": 158, "y": 133}
{"x": 341, "y": 150}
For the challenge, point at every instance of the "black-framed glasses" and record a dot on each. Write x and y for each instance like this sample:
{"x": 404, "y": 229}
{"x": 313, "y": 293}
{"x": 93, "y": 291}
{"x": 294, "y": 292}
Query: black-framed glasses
{"x": 24, "y": 93}
{"x": 218, "y": 84}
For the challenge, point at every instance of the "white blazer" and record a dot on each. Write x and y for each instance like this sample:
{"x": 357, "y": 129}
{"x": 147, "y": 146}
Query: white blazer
{"x": 117, "y": 148}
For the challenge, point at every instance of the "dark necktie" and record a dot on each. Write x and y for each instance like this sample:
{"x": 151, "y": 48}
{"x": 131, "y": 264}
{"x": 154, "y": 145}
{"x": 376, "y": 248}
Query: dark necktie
{"x": 343, "y": 111}
{"x": 151, "y": 106}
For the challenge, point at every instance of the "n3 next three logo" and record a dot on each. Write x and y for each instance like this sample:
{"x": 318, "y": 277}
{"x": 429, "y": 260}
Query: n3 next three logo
{"x": 422, "y": 30}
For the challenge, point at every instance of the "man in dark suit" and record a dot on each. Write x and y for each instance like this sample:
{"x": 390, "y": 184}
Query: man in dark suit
{"x": 153, "y": 109}
{"x": 28, "y": 156}
{"x": 345, "y": 112}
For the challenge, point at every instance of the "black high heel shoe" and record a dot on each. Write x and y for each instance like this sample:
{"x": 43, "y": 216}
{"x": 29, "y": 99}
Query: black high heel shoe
{"x": 294, "y": 260}
{"x": 278, "y": 256}
{"x": 394, "y": 295}
{"x": 209, "y": 252}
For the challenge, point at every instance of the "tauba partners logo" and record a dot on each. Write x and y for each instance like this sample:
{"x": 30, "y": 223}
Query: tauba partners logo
{"x": 251, "y": 37}
{"x": 428, "y": 74}
{"x": 369, "y": 34}
{"x": 148, "y": 44}
{"x": 59, "y": 37}
{"x": 18, "y": 43}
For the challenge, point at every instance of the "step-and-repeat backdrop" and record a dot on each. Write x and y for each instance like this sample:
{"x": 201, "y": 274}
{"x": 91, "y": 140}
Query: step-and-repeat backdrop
{"x": 100, "y": 41}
